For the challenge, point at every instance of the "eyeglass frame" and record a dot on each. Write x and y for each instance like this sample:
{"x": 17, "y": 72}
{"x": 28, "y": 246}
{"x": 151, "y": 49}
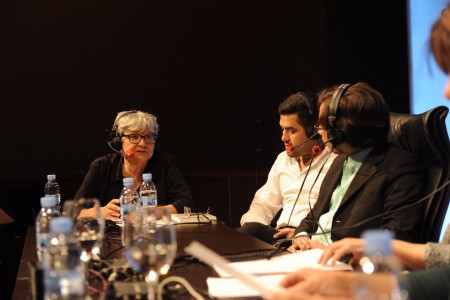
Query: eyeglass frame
{"x": 154, "y": 136}
{"x": 317, "y": 128}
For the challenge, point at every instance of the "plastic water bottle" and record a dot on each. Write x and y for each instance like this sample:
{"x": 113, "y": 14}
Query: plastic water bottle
{"x": 52, "y": 189}
{"x": 129, "y": 201}
{"x": 47, "y": 212}
{"x": 129, "y": 198}
{"x": 379, "y": 259}
{"x": 63, "y": 269}
{"x": 147, "y": 191}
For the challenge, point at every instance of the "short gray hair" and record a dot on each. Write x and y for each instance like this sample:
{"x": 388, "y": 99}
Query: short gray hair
{"x": 135, "y": 120}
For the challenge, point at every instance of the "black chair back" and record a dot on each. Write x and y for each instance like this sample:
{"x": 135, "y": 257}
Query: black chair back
{"x": 426, "y": 136}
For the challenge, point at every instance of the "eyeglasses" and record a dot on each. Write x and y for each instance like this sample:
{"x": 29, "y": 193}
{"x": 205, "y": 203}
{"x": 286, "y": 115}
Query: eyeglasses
{"x": 202, "y": 217}
{"x": 135, "y": 138}
{"x": 317, "y": 128}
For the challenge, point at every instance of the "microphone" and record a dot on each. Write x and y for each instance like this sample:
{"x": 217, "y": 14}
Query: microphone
{"x": 317, "y": 149}
{"x": 315, "y": 136}
{"x": 129, "y": 153}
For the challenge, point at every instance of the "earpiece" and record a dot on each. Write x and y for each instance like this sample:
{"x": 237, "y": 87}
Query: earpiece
{"x": 310, "y": 131}
{"x": 336, "y": 136}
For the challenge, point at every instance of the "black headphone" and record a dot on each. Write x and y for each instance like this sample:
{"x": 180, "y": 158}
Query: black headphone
{"x": 115, "y": 139}
{"x": 310, "y": 131}
{"x": 336, "y": 136}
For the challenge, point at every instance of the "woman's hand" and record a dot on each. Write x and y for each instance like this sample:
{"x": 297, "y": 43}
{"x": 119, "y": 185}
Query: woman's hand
{"x": 171, "y": 209}
{"x": 335, "y": 251}
{"x": 111, "y": 210}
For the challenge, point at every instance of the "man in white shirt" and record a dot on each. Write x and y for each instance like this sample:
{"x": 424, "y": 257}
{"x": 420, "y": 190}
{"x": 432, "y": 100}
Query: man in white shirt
{"x": 294, "y": 181}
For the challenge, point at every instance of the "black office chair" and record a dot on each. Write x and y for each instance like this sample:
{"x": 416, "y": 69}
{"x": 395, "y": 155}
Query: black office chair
{"x": 426, "y": 136}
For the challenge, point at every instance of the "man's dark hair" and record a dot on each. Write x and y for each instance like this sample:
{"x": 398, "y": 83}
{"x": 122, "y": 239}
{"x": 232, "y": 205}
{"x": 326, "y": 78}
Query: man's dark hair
{"x": 304, "y": 105}
{"x": 363, "y": 116}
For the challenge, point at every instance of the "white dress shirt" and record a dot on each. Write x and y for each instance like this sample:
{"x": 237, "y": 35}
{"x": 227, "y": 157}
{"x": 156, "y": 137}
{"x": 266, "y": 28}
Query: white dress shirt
{"x": 282, "y": 187}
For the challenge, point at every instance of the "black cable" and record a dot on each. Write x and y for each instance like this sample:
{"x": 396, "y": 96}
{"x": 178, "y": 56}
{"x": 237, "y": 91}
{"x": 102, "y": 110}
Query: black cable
{"x": 316, "y": 220}
{"x": 423, "y": 199}
{"x": 248, "y": 255}
{"x": 299, "y": 192}
{"x": 111, "y": 252}
{"x": 275, "y": 251}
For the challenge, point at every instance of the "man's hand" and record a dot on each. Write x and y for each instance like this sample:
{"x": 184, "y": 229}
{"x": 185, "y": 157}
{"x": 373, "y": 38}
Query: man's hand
{"x": 287, "y": 233}
{"x": 303, "y": 243}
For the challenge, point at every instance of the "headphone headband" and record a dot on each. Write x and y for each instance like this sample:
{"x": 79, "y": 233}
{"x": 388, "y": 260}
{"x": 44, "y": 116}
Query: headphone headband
{"x": 332, "y": 110}
{"x": 308, "y": 105}
{"x": 310, "y": 131}
{"x": 334, "y": 135}
{"x": 114, "y": 128}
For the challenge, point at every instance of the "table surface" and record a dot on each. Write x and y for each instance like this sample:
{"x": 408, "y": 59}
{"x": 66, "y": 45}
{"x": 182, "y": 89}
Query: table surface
{"x": 217, "y": 236}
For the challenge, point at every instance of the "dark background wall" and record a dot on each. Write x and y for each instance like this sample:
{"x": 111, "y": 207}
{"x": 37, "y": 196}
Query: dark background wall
{"x": 213, "y": 72}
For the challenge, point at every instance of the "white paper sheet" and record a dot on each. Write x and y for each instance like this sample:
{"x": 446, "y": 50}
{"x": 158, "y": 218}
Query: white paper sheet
{"x": 210, "y": 257}
{"x": 232, "y": 287}
{"x": 283, "y": 264}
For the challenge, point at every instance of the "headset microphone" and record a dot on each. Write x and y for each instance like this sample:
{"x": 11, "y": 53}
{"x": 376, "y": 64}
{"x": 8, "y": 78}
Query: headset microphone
{"x": 317, "y": 149}
{"x": 130, "y": 153}
{"x": 315, "y": 136}
{"x": 127, "y": 154}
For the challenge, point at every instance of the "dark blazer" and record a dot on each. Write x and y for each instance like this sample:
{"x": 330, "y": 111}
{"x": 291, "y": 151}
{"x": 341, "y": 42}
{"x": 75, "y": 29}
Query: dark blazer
{"x": 104, "y": 180}
{"x": 388, "y": 179}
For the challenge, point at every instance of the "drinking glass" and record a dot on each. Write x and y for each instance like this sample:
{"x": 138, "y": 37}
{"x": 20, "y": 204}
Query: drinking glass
{"x": 150, "y": 244}
{"x": 88, "y": 225}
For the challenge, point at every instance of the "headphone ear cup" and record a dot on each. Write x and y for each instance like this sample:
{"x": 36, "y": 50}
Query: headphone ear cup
{"x": 335, "y": 137}
{"x": 310, "y": 131}
{"x": 114, "y": 141}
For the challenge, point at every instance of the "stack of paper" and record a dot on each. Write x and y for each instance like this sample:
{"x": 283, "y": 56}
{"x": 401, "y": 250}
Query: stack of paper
{"x": 269, "y": 273}
{"x": 284, "y": 264}
{"x": 234, "y": 287}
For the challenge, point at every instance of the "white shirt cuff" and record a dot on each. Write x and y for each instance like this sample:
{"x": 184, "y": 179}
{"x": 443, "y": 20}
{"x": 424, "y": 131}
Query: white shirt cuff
{"x": 303, "y": 233}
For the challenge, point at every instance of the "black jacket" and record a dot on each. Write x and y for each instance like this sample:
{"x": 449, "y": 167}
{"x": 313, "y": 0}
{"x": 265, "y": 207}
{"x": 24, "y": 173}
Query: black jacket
{"x": 387, "y": 182}
{"x": 104, "y": 180}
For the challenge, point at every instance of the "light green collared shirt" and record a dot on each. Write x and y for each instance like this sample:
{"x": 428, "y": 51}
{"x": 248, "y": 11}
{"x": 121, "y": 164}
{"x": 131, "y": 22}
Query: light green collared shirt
{"x": 349, "y": 170}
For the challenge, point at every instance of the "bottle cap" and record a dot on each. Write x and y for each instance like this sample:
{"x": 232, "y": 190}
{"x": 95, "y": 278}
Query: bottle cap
{"x": 51, "y": 177}
{"x": 48, "y": 201}
{"x": 377, "y": 242}
{"x": 128, "y": 181}
{"x": 147, "y": 176}
{"x": 61, "y": 225}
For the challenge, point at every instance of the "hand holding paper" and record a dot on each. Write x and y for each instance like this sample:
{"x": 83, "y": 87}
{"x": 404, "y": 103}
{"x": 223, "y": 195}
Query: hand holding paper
{"x": 213, "y": 259}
